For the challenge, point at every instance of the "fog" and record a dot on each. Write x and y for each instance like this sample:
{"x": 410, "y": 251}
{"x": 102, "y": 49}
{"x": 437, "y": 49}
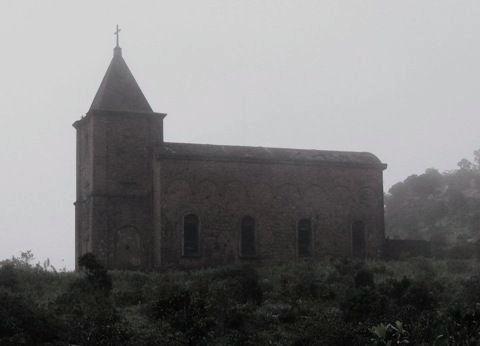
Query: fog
{"x": 397, "y": 78}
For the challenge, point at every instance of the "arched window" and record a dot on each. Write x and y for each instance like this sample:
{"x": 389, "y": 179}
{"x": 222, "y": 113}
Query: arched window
{"x": 304, "y": 238}
{"x": 191, "y": 236}
{"x": 247, "y": 237}
{"x": 358, "y": 240}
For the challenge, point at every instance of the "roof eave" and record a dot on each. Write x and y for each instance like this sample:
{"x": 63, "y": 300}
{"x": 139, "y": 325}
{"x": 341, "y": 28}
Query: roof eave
{"x": 378, "y": 166}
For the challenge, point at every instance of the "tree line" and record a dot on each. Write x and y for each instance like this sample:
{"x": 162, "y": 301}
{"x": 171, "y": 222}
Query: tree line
{"x": 443, "y": 207}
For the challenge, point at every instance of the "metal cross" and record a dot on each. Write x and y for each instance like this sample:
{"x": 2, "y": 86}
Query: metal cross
{"x": 117, "y": 33}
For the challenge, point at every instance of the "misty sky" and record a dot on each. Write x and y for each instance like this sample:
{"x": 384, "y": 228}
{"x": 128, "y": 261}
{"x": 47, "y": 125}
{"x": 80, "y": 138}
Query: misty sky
{"x": 397, "y": 78}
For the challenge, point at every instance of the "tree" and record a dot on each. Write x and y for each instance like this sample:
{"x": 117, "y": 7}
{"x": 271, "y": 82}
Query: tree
{"x": 465, "y": 164}
{"x": 436, "y": 205}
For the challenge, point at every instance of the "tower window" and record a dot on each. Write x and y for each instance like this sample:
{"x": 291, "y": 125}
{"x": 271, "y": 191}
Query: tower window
{"x": 304, "y": 238}
{"x": 247, "y": 237}
{"x": 191, "y": 237}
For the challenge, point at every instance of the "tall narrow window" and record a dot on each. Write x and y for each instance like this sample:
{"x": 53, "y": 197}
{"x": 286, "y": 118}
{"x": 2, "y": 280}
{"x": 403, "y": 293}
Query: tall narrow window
{"x": 304, "y": 238}
{"x": 358, "y": 240}
{"x": 191, "y": 235}
{"x": 247, "y": 237}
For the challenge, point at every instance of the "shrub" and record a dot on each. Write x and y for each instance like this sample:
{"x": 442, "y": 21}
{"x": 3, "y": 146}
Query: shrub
{"x": 241, "y": 282}
{"x": 22, "y": 322}
{"x": 329, "y": 303}
{"x": 87, "y": 312}
{"x": 421, "y": 295}
{"x": 364, "y": 278}
{"x": 8, "y": 277}
{"x": 364, "y": 304}
{"x": 470, "y": 288}
{"x": 129, "y": 288}
{"x": 462, "y": 324}
{"x": 185, "y": 310}
{"x": 389, "y": 334}
{"x": 96, "y": 274}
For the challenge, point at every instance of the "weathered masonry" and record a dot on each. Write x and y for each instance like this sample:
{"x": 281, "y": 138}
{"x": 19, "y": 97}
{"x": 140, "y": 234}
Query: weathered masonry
{"x": 143, "y": 203}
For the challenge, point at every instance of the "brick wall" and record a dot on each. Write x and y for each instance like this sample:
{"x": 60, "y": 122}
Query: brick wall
{"x": 131, "y": 202}
{"x": 114, "y": 216}
{"x": 277, "y": 195}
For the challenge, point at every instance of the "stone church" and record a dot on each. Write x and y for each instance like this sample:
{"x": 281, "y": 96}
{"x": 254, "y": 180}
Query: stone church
{"x": 143, "y": 203}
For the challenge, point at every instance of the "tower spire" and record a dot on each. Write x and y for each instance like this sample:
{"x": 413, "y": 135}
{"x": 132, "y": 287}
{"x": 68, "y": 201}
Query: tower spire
{"x": 117, "y": 50}
{"x": 119, "y": 91}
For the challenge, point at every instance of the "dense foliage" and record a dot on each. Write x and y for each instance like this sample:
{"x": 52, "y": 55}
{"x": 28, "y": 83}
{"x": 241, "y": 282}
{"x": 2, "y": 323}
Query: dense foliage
{"x": 334, "y": 302}
{"x": 443, "y": 207}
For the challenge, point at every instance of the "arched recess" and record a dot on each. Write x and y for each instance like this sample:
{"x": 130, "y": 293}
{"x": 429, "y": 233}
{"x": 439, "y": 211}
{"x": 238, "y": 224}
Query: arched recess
{"x": 191, "y": 235}
{"x": 261, "y": 195}
{"x": 207, "y": 199}
{"x": 289, "y": 194}
{"x": 206, "y": 190}
{"x": 178, "y": 191}
{"x": 304, "y": 238}
{"x": 128, "y": 248}
{"x": 359, "y": 240}
{"x": 247, "y": 237}
{"x": 316, "y": 198}
{"x": 343, "y": 181}
{"x": 343, "y": 200}
{"x": 235, "y": 195}
{"x": 367, "y": 197}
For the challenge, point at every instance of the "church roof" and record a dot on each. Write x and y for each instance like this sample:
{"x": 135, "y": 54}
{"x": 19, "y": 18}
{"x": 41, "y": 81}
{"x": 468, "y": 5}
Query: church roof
{"x": 264, "y": 154}
{"x": 119, "y": 90}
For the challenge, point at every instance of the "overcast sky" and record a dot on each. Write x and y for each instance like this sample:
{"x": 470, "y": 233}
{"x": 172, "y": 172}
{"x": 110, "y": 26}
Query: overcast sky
{"x": 397, "y": 78}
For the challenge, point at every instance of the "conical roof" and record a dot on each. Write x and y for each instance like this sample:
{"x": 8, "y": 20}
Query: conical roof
{"x": 119, "y": 90}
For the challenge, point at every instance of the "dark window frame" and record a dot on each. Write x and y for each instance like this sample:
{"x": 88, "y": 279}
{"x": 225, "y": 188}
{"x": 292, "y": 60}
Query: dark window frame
{"x": 196, "y": 252}
{"x": 245, "y": 227}
{"x": 309, "y": 247}
{"x": 359, "y": 251}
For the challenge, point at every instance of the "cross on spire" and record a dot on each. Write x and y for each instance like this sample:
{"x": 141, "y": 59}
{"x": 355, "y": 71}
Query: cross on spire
{"x": 117, "y": 33}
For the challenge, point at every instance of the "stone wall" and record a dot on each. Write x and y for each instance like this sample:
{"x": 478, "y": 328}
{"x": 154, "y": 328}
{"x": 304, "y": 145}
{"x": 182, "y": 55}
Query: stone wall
{"x": 131, "y": 202}
{"x": 114, "y": 216}
{"x": 277, "y": 195}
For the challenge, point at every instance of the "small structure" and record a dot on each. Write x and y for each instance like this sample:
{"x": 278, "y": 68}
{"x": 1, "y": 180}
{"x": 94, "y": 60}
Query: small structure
{"x": 143, "y": 203}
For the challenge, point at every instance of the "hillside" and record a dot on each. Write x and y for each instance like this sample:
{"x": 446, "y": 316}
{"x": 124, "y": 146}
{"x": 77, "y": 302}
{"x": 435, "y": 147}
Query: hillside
{"x": 335, "y": 302}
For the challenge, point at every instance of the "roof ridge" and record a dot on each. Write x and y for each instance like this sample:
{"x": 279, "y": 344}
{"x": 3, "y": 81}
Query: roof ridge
{"x": 215, "y": 151}
{"x": 267, "y": 147}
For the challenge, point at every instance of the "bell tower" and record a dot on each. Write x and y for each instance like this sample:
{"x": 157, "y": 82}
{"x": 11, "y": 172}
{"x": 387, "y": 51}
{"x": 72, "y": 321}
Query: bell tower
{"x": 116, "y": 141}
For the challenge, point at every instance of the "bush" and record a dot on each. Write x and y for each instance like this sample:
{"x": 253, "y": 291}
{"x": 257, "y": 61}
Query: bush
{"x": 8, "y": 277}
{"x": 364, "y": 304}
{"x": 22, "y": 322}
{"x": 364, "y": 278}
{"x": 330, "y": 303}
{"x": 241, "y": 283}
{"x": 96, "y": 274}
{"x": 129, "y": 288}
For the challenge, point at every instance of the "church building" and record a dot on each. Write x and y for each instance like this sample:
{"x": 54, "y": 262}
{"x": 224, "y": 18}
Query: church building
{"x": 143, "y": 203}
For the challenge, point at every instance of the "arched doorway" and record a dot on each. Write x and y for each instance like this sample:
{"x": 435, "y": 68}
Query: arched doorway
{"x": 128, "y": 250}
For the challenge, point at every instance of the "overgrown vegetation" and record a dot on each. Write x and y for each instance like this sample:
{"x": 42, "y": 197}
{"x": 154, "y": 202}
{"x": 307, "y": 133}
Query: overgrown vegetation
{"x": 334, "y": 302}
{"x": 443, "y": 207}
